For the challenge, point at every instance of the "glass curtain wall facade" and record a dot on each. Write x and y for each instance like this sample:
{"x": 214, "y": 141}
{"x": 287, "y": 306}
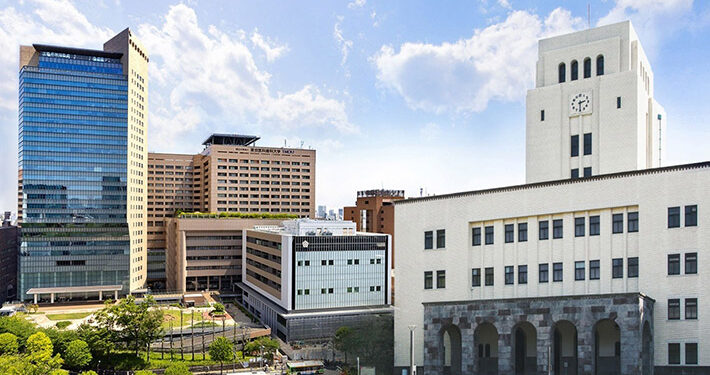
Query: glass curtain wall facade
{"x": 72, "y": 169}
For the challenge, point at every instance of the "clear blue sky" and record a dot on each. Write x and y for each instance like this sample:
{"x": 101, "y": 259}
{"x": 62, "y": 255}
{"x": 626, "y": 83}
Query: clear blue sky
{"x": 401, "y": 95}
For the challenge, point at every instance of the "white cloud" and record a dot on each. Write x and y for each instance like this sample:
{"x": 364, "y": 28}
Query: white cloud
{"x": 505, "y": 4}
{"x": 209, "y": 75}
{"x": 344, "y": 44}
{"x": 271, "y": 49}
{"x": 496, "y": 63}
{"x": 654, "y": 20}
{"x": 357, "y": 4}
{"x": 430, "y": 131}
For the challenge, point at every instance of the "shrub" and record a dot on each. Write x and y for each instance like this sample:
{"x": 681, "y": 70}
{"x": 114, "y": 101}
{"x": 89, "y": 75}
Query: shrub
{"x": 177, "y": 368}
{"x": 144, "y": 372}
{"x": 63, "y": 324}
{"x": 8, "y": 344}
{"x": 218, "y": 308}
{"x": 90, "y": 372}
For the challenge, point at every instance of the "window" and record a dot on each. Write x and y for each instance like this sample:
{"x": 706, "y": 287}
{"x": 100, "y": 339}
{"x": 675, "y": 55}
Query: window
{"x": 587, "y": 171}
{"x": 587, "y": 67}
{"x": 600, "y": 65}
{"x": 561, "y": 72}
{"x": 618, "y": 102}
{"x": 522, "y": 274}
{"x": 428, "y": 240}
{"x": 542, "y": 115}
{"x": 691, "y": 263}
{"x": 489, "y": 235}
{"x": 350, "y": 262}
{"x": 674, "y": 353}
{"x": 509, "y": 275}
{"x": 544, "y": 273}
{"x": 574, "y": 143}
{"x": 574, "y": 70}
{"x": 587, "y": 143}
{"x": 556, "y": 271}
{"x": 593, "y": 270}
{"x": 543, "y": 230}
{"x": 579, "y": 227}
{"x": 691, "y": 353}
{"x": 489, "y": 276}
{"x": 617, "y": 268}
{"x": 428, "y": 280}
{"x": 574, "y": 173}
{"x": 579, "y": 273}
{"x": 674, "y": 264}
{"x": 673, "y": 217}
{"x": 617, "y": 223}
{"x": 476, "y": 236}
{"x": 557, "y": 228}
{"x": 475, "y": 277}
{"x": 594, "y": 225}
{"x": 522, "y": 232}
{"x": 674, "y": 309}
{"x": 633, "y": 267}
{"x": 440, "y": 238}
{"x": 440, "y": 279}
{"x": 691, "y": 216}
{"x": 509, "y": 235}
{"x": 691, "y": 308}
{"x": 633, "y": 222}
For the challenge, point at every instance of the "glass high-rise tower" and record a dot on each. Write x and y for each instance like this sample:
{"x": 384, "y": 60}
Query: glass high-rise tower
{"x": 82, "y": 155}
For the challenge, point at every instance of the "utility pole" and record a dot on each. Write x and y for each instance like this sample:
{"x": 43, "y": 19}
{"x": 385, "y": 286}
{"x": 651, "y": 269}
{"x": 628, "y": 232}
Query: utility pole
{"x": 203, "y": 338}
{"x": 412, "y": 371}
{"x": 192, "y": 334}
{"x": 171, "y": 340}
{"x": 182, "y": 344}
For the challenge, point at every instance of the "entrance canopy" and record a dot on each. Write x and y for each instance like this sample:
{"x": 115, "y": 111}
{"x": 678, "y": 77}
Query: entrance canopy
{"x": 76, "y": 289}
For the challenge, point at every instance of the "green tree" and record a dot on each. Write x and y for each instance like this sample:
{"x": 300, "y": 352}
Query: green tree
{"x": 90, "y": 372}
{"x": 8, "y": 343}
{"x": 39, "y": 355}
{"x": 60, "y": 338}
{"x": 19, "y": 327}
{"x": 221, "y": 350}
{"x": 136, "y": 324}
{"x": 343, "y": 340}
{"x": 144, "y": 372}
{"x": 77, "y": 354}
{"x": 218, "y": 308}
{"x": 177, "y": 368}
{"x": 59, "y": 372}
{"x": 98, "y": 339}
{"x": 263, "y": 346}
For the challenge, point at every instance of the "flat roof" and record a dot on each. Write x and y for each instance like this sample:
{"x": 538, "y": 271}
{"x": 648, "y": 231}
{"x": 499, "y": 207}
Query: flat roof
{"x": 230, "y": 139}
{"x": 672, "y": 168}
{"x": 77, "y": 51}
{"x": 76, "y": 289}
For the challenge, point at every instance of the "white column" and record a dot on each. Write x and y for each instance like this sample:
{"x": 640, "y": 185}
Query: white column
{"x": 100, "y": 295}
{"x": 115, "y": 295}
{"x": 35, "y": 298}
{"x": 51, "y": 297}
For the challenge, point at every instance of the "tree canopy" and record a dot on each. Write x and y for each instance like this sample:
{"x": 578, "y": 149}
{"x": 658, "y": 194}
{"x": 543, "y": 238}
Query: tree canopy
{"x": 77, "y": 354}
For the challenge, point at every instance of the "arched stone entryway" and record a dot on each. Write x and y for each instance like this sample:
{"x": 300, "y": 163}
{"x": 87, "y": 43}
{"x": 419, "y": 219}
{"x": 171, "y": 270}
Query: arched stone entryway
{"x": 485, "y": 342}
{"x": 564, "y": 348}
{"x": 524, "y": 346}
{"x": 450, "y": 344}
{"x": 607, "y": 348}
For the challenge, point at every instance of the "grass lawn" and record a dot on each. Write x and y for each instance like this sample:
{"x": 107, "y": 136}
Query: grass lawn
{"x": 69, "y": 316}
{"x": 173, "y": 316}
{"x": 127, "y": 360}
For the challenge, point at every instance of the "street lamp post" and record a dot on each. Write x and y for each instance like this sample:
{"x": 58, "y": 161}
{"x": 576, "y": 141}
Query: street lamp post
{"x": 411, "y": 349}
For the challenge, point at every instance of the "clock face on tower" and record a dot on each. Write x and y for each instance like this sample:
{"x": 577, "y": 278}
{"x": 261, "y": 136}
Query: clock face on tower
{"x": 580, "y": 103}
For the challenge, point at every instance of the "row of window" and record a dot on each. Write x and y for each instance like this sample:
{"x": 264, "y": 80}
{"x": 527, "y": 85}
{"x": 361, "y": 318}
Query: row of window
{"x": 574, "y": 74}
{"x": 691, "y": 353}
{"x": 350, "y": 289}
{"x": 691, "y": 308}
{"x": 330, "y": 262}
{"x": 543, "y": 273}
{"x": 440, "y": 239}
{"x": 587, "y": 145}
{"x": 691, "y": 216}
{"x": 557, "y": 229}
{"x": 691, "y": 264}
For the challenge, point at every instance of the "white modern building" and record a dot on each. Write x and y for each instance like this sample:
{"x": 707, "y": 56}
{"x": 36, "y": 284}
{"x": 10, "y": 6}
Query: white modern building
{"x": 308, "y": 278}
{"x": 592, "y": 266}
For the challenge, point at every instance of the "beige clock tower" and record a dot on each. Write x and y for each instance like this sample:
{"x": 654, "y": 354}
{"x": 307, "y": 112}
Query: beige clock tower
{"x": 592, "y": 110}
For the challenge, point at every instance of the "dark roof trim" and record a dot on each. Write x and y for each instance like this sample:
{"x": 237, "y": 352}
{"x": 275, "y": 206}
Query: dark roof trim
{"x": 77, "y": 51}
{"x": 672, "y": 168}
{"x": 230, "y": 139}
{"x": 562, "y": 297}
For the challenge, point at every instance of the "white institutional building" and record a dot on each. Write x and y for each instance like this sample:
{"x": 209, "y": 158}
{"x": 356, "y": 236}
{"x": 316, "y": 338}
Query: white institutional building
{"x": 592, "y": 266}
